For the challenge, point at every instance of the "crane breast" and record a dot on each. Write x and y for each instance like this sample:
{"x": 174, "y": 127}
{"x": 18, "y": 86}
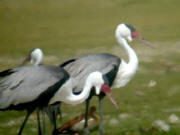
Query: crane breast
{"x": 123, "y": 76}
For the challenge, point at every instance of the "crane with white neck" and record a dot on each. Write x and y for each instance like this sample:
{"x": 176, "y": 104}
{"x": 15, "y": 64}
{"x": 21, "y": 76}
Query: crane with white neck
{"x": 35, "y": 56}
{"x": 117, "y": 72}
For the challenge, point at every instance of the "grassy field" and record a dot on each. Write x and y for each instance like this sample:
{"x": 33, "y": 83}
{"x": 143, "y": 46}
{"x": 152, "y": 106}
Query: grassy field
{"x": 68, "y": 28}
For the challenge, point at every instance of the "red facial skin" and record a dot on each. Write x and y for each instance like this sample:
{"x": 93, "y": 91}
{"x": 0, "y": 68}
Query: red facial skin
{"x": 105, "y": 88}
{"x": 135, "y": 34}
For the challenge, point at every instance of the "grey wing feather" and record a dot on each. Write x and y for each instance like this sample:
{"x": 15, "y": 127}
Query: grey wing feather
{"x": 81, "y": 67}
{"x": 26, "y": 83}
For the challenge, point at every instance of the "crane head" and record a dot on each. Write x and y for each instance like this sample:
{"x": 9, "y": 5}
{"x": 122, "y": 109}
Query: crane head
{"x": 35, "y": 56}
{"x": 129, "y": 33}
{"x": 97, "y": 80}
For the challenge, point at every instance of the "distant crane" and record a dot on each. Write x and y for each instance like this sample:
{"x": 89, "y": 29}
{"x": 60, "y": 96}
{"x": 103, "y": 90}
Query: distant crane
{"x": 35, "y": 56}
{"x": 116, "y": 71}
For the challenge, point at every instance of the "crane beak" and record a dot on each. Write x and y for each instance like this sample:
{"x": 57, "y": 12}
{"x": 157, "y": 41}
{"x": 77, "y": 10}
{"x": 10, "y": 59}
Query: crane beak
{"x": 111, "y": 98}
{"x": 136, "y": 35}
{"x": 27, "y": 59}
{"x": 145, "y": 42}
{"x": 107, "y": 90}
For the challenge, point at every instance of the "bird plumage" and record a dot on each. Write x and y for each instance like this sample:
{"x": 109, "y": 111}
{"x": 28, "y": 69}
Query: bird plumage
{"x": 79, "y": 68}
{"x": 26, "y": 84}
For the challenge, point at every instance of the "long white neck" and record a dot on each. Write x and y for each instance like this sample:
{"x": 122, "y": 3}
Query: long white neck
{"x": 65, "y": 93}
{"x": 133, "y": 60}
{"x": 77, "y": 99}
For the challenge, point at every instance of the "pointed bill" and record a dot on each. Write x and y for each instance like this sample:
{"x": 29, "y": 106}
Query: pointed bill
{"x": 145, "y": 42}
{"x": 136, "y": 35}
{"x": 27, "y": 59}
{"x": 107, "y": 90}
{"x": 112, "y": 99}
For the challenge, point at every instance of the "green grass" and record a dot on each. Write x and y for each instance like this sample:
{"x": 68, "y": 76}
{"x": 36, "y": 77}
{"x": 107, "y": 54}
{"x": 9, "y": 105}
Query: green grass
{"x": 68, "y": 28}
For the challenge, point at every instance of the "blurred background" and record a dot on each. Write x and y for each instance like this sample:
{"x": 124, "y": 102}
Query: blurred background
{"x": 65, "y": 29}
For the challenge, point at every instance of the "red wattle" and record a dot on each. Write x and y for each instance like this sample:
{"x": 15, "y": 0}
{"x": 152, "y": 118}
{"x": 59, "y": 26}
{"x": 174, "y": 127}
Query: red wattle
{"x": 105, "y": 88}
{"x": 135, "y": 34}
